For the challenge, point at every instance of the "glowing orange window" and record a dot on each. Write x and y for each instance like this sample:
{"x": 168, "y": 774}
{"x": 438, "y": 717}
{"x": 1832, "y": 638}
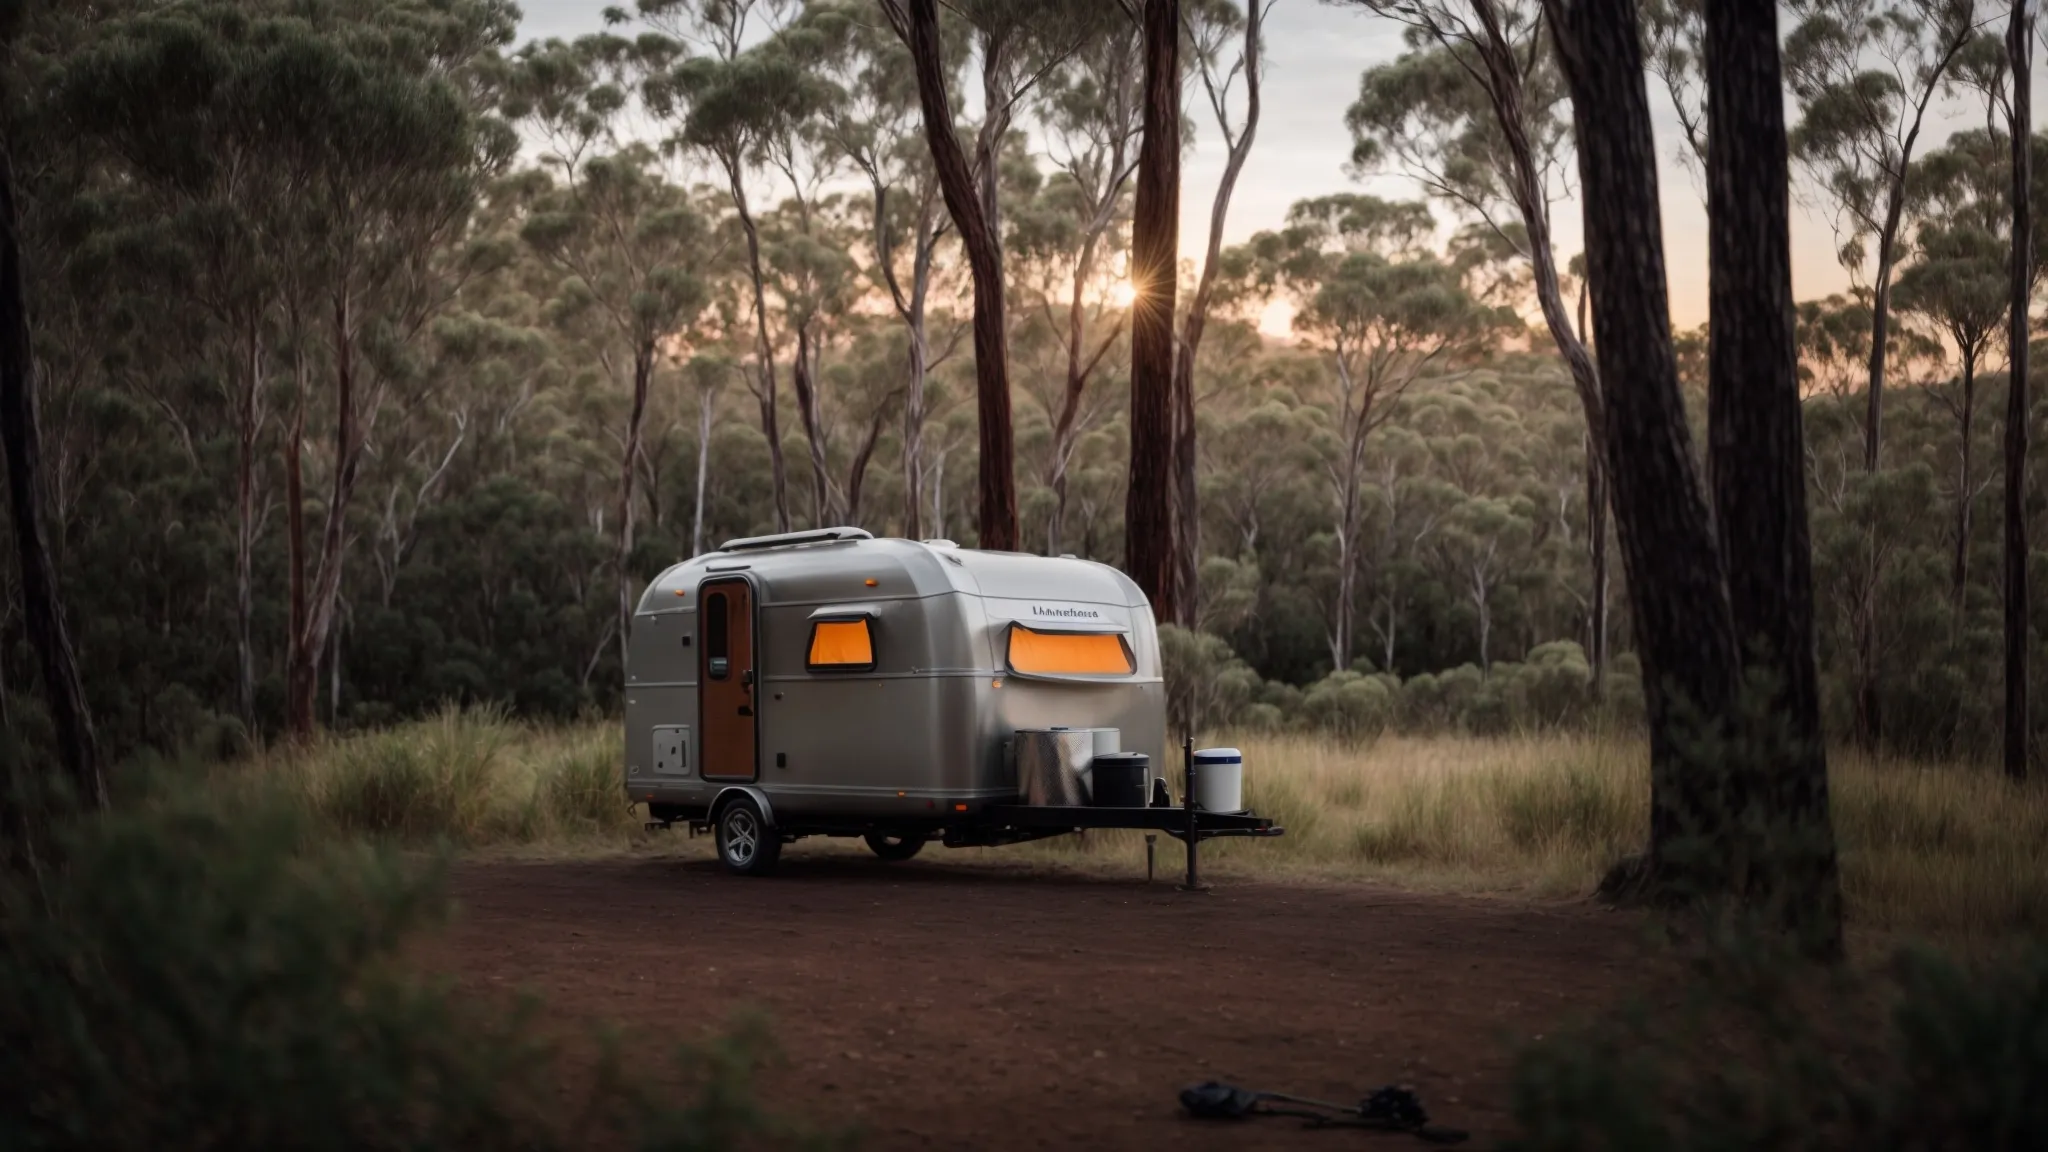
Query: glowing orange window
{"x": 1068, "y": 653}
{"x": 841, "y": 646}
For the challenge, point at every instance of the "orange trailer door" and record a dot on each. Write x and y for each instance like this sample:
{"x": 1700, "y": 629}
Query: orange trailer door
{"x": 726, "y": 680}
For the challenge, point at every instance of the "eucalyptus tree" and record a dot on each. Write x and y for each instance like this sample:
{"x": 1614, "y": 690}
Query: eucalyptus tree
{"x": 1088, "y": 112}
{"x": 1254, "y": 455}
{"x": 2019, "y": 46}
{"x": 42, "y": 600}
{"x": 1408, "y": 505}
{"x": 875, "y": 123}
{"x": 395, "y": 152}
{"x": 1210, "y": 24}
{"x": 630, "y": 246}
{"x": 1864, "y": 73}
{"x": 1017, "y": 42}
{"x": 1149, "y": 553}
{"x": 814, "y": 277}
{"x": 1675, "y": 48}
{"x": 1685, "y": 634}
{"x": 1476, "y": 110}
{"x": 162, "y": 91}
{"x": 1958, "y": 282}
{"x": 1779, "y": 849}
{"x": 1383, "y": 313}
{"x": 868, "y": 382}
{"x": 1482, "y": 542}
{"x": 730, "y": 106}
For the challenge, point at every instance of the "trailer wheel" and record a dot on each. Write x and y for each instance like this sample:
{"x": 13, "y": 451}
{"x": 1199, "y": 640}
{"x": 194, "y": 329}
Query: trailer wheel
{"x": 746, "y": 844}
{"x": 894, "y": 848}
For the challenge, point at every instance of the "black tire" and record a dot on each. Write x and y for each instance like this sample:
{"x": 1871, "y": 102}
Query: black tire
{"x": 746, "y": 844}
{"x": 895, "y": 848}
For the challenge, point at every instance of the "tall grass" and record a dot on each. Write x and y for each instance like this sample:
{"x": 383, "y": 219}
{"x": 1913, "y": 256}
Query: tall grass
{"x": 475, "y": 778}
{"x": 1535, "y": 815}
{"x": 1947, "y": 849}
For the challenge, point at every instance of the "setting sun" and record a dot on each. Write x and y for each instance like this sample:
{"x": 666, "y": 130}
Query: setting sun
{"x": 1123, "y": 293}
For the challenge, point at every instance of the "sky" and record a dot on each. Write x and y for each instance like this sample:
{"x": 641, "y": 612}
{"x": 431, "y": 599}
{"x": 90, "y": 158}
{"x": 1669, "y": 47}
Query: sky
{"x": 1314, "y": 55}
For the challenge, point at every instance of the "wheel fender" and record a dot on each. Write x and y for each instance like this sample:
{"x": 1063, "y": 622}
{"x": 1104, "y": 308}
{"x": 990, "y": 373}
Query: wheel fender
{"x": 759, "y": 798}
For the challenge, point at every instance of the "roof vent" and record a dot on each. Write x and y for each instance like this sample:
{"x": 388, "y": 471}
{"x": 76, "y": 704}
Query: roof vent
{"x": 941, "y": 544}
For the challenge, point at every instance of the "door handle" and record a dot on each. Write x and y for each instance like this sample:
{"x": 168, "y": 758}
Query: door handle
{"x": 747, "y": 678}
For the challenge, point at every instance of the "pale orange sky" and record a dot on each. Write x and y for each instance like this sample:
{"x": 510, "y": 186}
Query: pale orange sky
{"x": 1314, "y": 55}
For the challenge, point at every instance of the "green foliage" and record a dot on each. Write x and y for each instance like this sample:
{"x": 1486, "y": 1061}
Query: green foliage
{"x": 217, "y": 973}
{"x": 1208, "y": 688}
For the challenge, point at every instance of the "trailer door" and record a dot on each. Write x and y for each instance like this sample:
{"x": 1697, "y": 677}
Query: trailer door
{"x": 726, "y": 680}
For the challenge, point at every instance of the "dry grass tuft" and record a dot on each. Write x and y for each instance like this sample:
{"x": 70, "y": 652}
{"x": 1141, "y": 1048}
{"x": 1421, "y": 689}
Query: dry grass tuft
{"x": 1942, "y": 850}
{"x": 1946, "y": 850}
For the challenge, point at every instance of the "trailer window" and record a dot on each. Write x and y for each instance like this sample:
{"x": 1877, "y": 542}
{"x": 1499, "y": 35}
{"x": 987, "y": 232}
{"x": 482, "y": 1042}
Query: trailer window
{"x": 1068, "y": 653}
{"x": 841, "y": 646}
{"x": 717, "y": 630}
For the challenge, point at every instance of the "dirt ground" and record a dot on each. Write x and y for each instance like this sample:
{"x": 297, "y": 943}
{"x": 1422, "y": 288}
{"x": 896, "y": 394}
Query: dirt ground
{"x": 939, "y": 1005}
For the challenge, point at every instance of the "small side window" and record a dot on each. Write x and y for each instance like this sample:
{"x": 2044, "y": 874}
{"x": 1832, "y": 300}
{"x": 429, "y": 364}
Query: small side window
{"x": 717, "y": 636}
{"x": 841, "y": 646}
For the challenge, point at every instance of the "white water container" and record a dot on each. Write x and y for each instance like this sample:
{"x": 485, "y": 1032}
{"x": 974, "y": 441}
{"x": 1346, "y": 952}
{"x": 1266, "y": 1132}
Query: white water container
{"x": 1219, "y": 780}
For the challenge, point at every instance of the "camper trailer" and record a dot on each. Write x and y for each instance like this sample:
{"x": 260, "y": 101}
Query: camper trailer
{"x": 828, "y": 683}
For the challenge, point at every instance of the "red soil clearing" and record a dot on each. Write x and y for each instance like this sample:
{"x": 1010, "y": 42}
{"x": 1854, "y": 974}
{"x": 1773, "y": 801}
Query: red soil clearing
{"x": 940, "y": 1005}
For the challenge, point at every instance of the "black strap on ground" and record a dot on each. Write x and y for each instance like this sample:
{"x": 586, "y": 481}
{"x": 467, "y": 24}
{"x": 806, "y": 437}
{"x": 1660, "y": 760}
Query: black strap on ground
{"x": 1389, "y": 1109}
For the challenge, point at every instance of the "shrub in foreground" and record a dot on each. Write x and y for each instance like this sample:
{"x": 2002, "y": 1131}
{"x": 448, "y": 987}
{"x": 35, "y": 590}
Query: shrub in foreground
{"x": 215, "y": 974}
{"x": 1934, "y": 1054}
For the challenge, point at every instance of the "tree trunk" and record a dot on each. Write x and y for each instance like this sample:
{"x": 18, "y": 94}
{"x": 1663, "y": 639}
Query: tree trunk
{"x": 1505, "y": 70}
{"x": 1187, "y": 512}
{"x": 857, "y": 472}
{"x": 1757, "y": 460}
{"x": 913, "y": 439}
{"x": 998, "y": 487}
{"x": 622, "y": 556}
{"x": 1064, "y": 424}
{"x": 42, "y": 600}
{"x": 1596, "y": 545}
{"x": 1959, "y": 574}
{"x": 1684, "y": 633}
{"x": 248, "y": 422}
{"x": 1155, "y": 226}
{"x": 1505, "y": 74}
{"x": 1482, "y": 605}
{"x": 1347, "y": 582}
{"x": 814, "y": 432}
{"x": 770, "y": 422}
{"x": 918, "y": 353}
{"x": 1392, "y": 633}
{"x": 334, "y": 677}
{"x": 295, "y": 517}
{"x": 2019, "y": 49}
{"x": 310, "y": 644}
{"x": 703, "y": 469}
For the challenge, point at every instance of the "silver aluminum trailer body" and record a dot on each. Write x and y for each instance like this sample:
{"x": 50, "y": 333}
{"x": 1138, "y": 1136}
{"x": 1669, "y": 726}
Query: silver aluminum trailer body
{"x": 725, "y": 697}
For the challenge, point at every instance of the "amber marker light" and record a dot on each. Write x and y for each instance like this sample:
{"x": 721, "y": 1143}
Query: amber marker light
{"x": 870, "y": 583}
{"x": 959, "y": 807}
